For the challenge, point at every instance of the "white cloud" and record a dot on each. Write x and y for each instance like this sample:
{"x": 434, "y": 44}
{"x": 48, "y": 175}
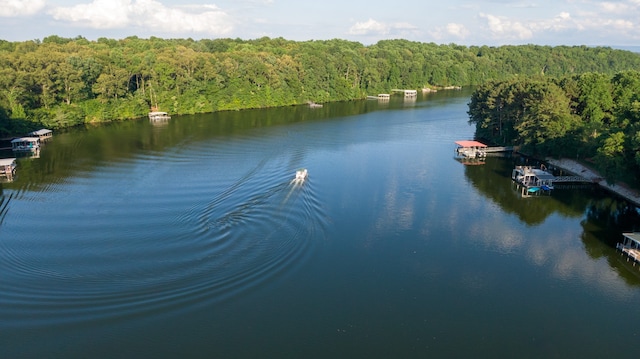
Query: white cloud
{"x": 618, "y": 7}
{"x": 502, "y": 27}
{"x": 369, "y": 27}
{"x": 147, "y": 14}
{"x": 457, "y": 30}
{"x": 373, "y": 28}
{"x": 10, "y": 8}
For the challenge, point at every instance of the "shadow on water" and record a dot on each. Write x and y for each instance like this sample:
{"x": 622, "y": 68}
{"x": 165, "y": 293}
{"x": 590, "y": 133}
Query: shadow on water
{"x": 602, "y": 215}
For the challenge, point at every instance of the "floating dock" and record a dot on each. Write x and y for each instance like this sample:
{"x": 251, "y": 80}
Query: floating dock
{"x": 630, "y": 246}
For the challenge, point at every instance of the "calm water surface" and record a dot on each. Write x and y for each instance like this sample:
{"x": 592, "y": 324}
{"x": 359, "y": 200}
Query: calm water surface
{"x": 188, "y": 239}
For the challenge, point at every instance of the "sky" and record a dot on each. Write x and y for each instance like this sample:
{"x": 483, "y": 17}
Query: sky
{"x": 613, "y": 23}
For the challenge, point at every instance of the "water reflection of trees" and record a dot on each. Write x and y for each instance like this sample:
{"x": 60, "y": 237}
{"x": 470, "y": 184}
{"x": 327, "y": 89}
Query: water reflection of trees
{"x": 604, "y": 217}
{"x": 82, "y": 148}
{"x": 493, "y": 180}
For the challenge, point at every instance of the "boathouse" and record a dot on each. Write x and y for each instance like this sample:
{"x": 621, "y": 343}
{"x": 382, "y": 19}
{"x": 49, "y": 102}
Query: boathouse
{"x": 630, "y": 246}
{"x": 407, "y": 93}
{"x": 531, "y": 178}
{"x": 8, "y": 168}
{"x": 25, "y": 144}
{"x": 158, "y": 115}
{"x": 43, "y": 134}
{"x": 471, "y": 149}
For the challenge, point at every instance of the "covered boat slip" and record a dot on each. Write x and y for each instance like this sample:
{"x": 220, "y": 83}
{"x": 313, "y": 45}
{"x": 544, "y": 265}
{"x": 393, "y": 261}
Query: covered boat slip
{"x": 25, "y": 144}
{"x": 43, "y": 134}
{"x": 532, "y": 177}
{"x": 7, "y": 168}
{"x": 158, "y": 115}
{"x": 471, "y": 149}
{"x": 631, "y": 246}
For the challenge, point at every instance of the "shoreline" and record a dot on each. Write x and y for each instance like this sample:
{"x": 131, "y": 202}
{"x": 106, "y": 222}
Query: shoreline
{"x": 581, "y": 170}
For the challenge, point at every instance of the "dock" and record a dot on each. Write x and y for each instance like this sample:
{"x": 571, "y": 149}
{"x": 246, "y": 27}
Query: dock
{"x": 630, "y": 246}
{"x": 7, "y": 168}
{"x": 407, "y": 93}
{"x": 43, "y": 134}
{"x": 496, "y": 149}
{"x": 471, "y": 149}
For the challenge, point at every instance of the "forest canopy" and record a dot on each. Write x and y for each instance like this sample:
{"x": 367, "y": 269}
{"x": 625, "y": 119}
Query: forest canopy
{"x": 60, "y": 82}
{"x": 591, "y": 116}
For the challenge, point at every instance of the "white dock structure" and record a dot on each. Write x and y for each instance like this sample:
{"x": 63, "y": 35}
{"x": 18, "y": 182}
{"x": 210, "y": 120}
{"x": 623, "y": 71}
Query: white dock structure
{"x": 630, "y": 246}
{"x": 43, "y": 134}
{"x": 8, "y": 168}
{"x": 158, "y": 115}
{"x": 407, "y": 93}
{"x": 25, "y": 144}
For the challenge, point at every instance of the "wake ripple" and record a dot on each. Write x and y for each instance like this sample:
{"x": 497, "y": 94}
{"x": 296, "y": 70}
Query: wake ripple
{"x": 232, "y": 238}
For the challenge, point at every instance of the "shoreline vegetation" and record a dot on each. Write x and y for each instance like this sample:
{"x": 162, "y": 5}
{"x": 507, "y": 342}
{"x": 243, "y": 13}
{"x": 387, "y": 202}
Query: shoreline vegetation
{"x": 591, "y": 117}
{"x": 63, "y": 82}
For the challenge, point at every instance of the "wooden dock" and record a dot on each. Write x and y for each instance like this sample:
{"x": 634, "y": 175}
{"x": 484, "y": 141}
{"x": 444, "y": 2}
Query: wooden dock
{"x": 498, "y": 149}
{"x": 630, "y": 246}
{"x": 572, "y": 179}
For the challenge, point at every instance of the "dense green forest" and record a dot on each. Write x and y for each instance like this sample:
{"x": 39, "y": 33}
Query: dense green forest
{"x": 60, "y": 82}
{"x": 591, "y": 116}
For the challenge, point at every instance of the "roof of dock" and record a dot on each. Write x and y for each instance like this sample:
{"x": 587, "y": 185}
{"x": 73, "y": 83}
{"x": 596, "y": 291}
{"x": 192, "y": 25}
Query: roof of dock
{"x": 40, "y": 132}
{"x": 633, "y": 236}
{"x": 470, "y": 144}
{"x": 6, "y": 161}
{"x": 25, "y": 139}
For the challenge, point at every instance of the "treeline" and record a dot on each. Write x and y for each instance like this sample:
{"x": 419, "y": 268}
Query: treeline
{"x": 59, "y": 82}
{"x": 592, "y": 116}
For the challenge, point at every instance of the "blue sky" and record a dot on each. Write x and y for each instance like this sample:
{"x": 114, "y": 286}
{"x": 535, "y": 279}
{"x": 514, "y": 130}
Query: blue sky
{"x": 465, "y": 22}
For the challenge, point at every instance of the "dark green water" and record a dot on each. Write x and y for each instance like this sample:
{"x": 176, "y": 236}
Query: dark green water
{"x": 188, "y": 240}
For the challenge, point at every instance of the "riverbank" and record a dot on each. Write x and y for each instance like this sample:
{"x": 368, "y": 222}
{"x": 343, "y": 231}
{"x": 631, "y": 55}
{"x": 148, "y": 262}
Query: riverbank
{"x": 581, "y": 170}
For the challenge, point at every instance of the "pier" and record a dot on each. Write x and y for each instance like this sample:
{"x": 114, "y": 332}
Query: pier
{"x": 407, "y": 93}
{"x": 572, "y": 179}
{"x": 630, "y": 246}
{"x": 476, "y": 149}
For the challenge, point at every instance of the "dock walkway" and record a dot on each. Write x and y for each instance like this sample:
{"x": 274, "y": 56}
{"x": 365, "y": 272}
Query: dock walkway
{"x": 571, "y": 179}
{"x": 578, "y": 169}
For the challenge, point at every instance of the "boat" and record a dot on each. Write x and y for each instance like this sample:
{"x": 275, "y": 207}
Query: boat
{"x": 25, "y": 144}
{"x": 301, "y": 174}
{"x": 533, "y": 178}
{"x": 158, "y": 115}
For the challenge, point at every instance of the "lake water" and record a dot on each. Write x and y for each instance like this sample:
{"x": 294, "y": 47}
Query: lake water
{"x": 188, "y": 240}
